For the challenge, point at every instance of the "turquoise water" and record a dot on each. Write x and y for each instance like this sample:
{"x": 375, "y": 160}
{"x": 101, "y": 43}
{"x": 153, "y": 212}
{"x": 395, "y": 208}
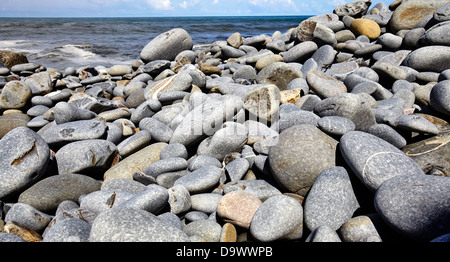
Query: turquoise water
{"x": 63, "y": 42}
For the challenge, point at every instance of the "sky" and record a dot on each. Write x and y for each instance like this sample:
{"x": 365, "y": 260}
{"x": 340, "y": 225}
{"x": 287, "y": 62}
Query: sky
{"x": 151, "y": 8}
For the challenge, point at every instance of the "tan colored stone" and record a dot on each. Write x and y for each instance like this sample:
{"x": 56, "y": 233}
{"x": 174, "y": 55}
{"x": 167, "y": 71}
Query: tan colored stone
{"x": 22, "y": 231}
{"x": 228, "y": 233}
{"x": 367, "y": 27}
{"x": 290, "y": 96}
{"x": 10, "y": 59}
{"x": 267, "y": 60}
{"x": 238, "y": 207}
{"x": 138, "y": 161}
{"x": 235, "y": 40}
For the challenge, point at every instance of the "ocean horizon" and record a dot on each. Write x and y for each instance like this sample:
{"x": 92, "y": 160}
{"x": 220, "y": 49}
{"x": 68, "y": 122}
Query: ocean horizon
{"x": 81, "y": 41}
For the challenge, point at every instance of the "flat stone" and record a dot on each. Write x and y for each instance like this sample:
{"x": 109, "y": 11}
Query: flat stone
{"x": 25, "y": 157}
{"x": 131, "y": 225}
{"x": 201, "y": 180}
{"x": 416, "y": 123}
{"x": 85, "y": 156}
{"x": 276, "y": 218}
{"x": 430, "y": 58}
{"x": 238, "y": 207}
{"x": 28, "y": 216}
{"x": 421, "y": 220}
{"x": 48, "y": 193}
{"x": 374, "y": 160}
{"x": 302, "y": 152}
{"x": 68, "y": 230}
{"x": 74, "y": 131}
{"x": 167, "y": 46}
{"x": 432, "y": 153}
{"x": 301, "y": 52}
{"x": 388, "y": 134}
{"x": 324, "y": 85}
{"x": 350, "y": 106}
{"x": 159, "y": 131}
{"x": 138, "y": 161}
{"x": 166, "y": 165}
{"x": 134, "y": 143}
{"x": 331, "y": 200}
{"x": 152, "y": 199}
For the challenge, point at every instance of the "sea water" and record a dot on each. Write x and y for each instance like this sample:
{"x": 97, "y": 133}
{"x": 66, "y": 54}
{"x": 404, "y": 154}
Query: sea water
{"x": 63, "y": 42}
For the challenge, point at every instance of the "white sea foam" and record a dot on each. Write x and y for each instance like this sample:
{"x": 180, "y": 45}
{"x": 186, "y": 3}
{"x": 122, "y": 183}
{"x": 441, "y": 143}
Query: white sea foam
{"x": 77, "y": 51}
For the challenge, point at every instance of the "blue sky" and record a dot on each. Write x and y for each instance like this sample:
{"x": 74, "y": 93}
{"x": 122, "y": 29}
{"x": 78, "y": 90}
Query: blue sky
{"x": 145, "y": 8}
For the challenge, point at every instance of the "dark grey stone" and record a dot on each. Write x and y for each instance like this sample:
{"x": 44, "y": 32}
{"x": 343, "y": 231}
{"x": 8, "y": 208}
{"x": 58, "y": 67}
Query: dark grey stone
{"x": 434, "y": 58}
{"x": 167, "y": 45}
{"x": 132, "y": 225}
{"x": 297, "y": 117}
{"x": 68, "y": 230}
{"x": 276, "y": 218}
{"x": 208, "y": 230}
{"x": 205, "y": 119}
{"x": 170, "y": 164}
{"x": 134, "y": 143}
{"x": 440, "y": 97}
{"x": 86, "y": 155}
{"x": 375, "y": 160}
{"x": 421, "y": 220}
{"x": 200, "y": 180}
{"x": 124, "y": 185}
{"x": 28, "y": 216}
{"x": 302, "y": 152}
{"x": 388, "y": 134}
{"x": 24, "y": 159}
{"x": 231, "y": 138}
{"x": 73, "y": 131}
{"x": 335, "y": 125}
{"x": 47, "y": 194}
{"x": 331, "y": 200}
{"x": 301, "y": 52}
{"x": 416, "y": 123}
{"x": 153, "y": 199}
{"x": 351, "y": 106}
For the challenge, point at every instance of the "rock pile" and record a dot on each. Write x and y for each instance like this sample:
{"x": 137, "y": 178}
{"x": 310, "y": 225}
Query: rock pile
{"x": 336, "y": 130}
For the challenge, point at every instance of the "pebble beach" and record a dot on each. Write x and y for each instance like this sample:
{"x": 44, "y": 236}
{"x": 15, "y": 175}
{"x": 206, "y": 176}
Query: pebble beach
{"x": 337, "y": 130}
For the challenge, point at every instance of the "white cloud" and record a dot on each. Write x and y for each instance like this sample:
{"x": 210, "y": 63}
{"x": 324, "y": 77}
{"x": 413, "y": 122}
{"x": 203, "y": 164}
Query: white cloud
{"x": 215, "y": 2}
{"x": 160, "y": 4}
{"x": 272, "y": 2}
{"x": 186, "y": 4}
